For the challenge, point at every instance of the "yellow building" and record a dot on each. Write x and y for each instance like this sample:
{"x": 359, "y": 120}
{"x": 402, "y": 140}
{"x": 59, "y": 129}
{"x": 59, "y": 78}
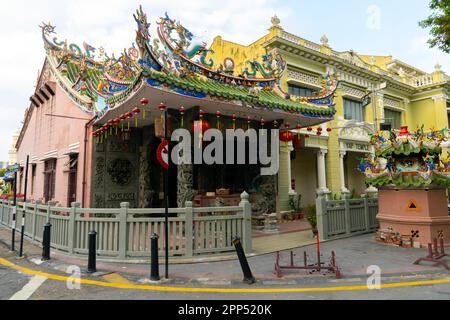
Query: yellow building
{"x": 12, "y": 153}
{"x": 403, "y": 95}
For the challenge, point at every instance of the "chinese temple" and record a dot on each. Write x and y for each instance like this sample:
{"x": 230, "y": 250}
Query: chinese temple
{"x": 167, "y": 69}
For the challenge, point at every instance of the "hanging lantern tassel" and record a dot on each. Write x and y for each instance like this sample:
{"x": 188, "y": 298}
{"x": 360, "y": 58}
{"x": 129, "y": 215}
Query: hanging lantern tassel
{"x": 144, "y": 103}
{"x": 234, "y": 121}
{"x": 182, "y": 112}
{"x": 298, "y": 127}
{"x": 249, "y": 123}
{"x": 218, "y": 115}
{"x": 136, "y": 111}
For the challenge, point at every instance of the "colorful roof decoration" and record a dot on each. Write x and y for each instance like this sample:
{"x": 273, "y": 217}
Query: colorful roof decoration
{"x": 176, "y": 63}
{"x": 408, "y": 159}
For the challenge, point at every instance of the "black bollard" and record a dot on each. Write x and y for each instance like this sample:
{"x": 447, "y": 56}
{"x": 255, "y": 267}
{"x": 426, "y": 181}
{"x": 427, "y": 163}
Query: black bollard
{"x": 248, "y": 276}
{"x": 154, "y": 276}
{"x": 46, "y": 242}
{"x": 92, "y": 261}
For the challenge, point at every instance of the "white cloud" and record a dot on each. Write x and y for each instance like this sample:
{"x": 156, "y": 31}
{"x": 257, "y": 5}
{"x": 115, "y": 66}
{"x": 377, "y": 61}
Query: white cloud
{"x": 107, "y": 23}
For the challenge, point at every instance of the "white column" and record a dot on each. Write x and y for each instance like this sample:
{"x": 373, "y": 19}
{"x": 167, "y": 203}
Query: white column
{"x": 342, "y": 155}
{"x": 322, "y": 172}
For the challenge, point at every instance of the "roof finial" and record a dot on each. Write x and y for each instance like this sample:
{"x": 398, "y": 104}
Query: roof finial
{"x": 324, "y": 41}
{"x": 437, "y": 67}
{"x": 275, "y": 22}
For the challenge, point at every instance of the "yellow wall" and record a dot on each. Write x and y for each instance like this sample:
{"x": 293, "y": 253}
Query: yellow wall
{"x": 419, "y": 109}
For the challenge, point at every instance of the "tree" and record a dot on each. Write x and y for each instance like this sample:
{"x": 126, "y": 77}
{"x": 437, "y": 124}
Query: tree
{"x": 439, "y": 21}
{"x": 2, "y": 172}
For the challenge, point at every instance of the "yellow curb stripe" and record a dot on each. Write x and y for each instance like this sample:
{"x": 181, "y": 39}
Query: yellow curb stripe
{"x": 10, "y": 265}
{"x": 116, "y": 278}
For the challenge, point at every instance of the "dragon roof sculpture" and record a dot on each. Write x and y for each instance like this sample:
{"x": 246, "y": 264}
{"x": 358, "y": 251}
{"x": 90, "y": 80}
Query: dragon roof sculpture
{"x": 174, "y": 62}
{"x": 408, "y": 159}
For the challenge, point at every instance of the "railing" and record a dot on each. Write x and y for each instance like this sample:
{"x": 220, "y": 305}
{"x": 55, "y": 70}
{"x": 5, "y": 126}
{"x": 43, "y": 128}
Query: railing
{"x": 125, "y": 233}
{"x": 339, "y": 219}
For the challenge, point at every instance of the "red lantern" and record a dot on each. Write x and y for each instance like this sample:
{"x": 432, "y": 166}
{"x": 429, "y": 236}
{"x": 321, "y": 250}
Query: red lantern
{"x": 329, "y": 130}
{"x": 298, "y": 127}
{"x": 319, "y": 133}
{"x": 286, "y": 136}
{"x": 201, "y": 126}
{"x": 307, "y": 136}
{"x": 162, "y": 107}
{"x": 320, "y": 129}
{"x": 310, "y": 129}
{"x": 275, "y": 124}
{"x": 144, "y": 101}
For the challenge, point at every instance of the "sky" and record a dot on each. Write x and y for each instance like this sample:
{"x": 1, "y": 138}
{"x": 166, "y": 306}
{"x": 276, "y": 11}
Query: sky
{"x": 375, "y": 27}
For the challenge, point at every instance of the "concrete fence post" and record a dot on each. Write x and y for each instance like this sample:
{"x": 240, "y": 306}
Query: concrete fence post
{"x": 123, "y": 230}
{"x": 367, "y": 213}
{"x": 189, "y": 228}
{"x": 348, "y": 222}
{"x": 50, "y": 204}
{"x": 8, "y": 223}
{"x": 246, "y": 222}
{"x": 33, "y": 222}
{"x": 322, "y": 218}
{"x": 1, "y": 212}
{"x": 72, "y": 230}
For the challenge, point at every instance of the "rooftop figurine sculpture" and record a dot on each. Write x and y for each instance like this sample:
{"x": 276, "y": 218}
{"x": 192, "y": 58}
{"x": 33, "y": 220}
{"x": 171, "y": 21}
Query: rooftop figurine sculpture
{"x": 407, "y": 159}
{"x": 412, "y": 176}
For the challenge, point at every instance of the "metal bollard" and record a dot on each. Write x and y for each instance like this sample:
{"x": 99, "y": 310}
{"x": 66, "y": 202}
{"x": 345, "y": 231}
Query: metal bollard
{"x": 92, "y": 261}
{"x": 46, "y": 242}
{"x": 13, "y": 228}
{"x": 248, "y": 276}
{"x": 154, "y": 276}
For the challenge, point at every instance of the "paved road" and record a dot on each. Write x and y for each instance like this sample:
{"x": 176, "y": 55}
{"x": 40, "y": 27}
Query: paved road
{"x": 20, "y": 279}
{"x": 16, "y": 284}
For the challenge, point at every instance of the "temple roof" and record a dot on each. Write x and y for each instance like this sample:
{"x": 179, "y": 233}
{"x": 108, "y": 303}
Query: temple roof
{"x": 173, "y": 62}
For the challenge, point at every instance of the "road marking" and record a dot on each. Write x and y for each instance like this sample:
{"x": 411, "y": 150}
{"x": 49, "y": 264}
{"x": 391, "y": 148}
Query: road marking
{"x": 30, "y": 288}
{"x": 116, "y": 278}
{"x": 11, "y": 265}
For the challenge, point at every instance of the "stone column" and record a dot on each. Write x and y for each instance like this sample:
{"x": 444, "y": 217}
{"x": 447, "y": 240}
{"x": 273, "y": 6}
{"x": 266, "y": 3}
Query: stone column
{"x": 186, "y": 192}
{"x": 344, "y": 189}
{"x": 284, "y": 184}
{"x": 321, "y": 171}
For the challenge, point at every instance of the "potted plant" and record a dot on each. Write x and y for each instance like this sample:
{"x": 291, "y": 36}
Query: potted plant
{"x": 311, "y": 217}
{"x": 296, "y": 208}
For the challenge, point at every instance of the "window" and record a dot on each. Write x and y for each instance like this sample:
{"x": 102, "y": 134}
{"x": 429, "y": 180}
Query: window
{"x": 394, "y": 118}
{"x": 49, "y": 180}
{"x": 72, "y": 187}
{"x": 301, "y": 91}
{"x": 353, "y": 110}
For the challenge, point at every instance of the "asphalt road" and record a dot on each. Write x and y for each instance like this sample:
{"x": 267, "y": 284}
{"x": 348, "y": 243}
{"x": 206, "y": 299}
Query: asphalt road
{"x": 20, "y": 279}
{"x": 13, "y": 284}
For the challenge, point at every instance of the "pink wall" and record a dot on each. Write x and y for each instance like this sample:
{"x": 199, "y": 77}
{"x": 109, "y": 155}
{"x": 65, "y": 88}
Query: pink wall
{"x": 44, "y": 134}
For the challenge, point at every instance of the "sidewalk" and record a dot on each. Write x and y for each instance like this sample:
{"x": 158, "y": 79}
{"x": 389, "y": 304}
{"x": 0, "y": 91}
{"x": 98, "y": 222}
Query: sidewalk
{"x": 354, "y": 256}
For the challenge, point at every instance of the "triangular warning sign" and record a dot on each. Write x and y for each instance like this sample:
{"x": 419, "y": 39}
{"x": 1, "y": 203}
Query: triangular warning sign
{"x": 413, "y": 206}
